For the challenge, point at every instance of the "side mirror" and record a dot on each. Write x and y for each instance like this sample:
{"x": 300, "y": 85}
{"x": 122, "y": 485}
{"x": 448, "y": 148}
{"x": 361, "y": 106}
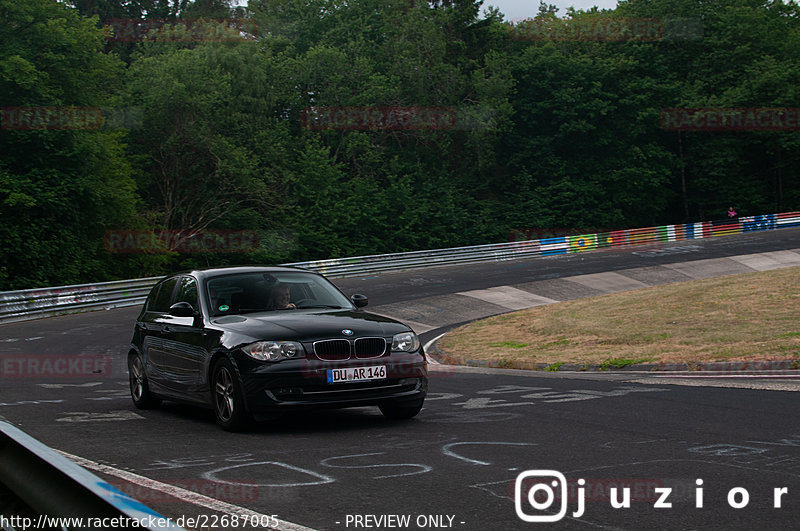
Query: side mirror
{"x": 359, "y": 300}
{"x": 182, "y": 309}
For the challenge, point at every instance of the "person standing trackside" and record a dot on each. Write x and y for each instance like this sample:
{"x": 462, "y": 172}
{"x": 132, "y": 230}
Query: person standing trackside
{"x": 731, "y": 213}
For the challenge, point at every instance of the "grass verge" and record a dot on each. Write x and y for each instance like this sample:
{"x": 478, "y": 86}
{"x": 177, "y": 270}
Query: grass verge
{"x": 748, "y": 317}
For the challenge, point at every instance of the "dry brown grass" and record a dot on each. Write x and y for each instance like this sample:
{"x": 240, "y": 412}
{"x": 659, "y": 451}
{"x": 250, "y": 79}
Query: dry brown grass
{"x": 749, "y": 317}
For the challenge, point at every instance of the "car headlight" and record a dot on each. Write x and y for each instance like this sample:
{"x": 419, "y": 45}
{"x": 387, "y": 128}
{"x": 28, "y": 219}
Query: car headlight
{"x": 275, "y": 350}
{"x": 405, "y": 342}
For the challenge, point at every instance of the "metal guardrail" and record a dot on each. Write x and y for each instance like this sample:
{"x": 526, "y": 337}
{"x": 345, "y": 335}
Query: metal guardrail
{"x": 360, "y": 265}
{"x": 43, "y": 489}
{"x": 35, "y": 303}
{"x": 45, "y": 302}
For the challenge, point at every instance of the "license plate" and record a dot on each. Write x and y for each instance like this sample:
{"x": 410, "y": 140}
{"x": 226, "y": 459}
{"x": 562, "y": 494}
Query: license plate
{"x": 357, "y": 374}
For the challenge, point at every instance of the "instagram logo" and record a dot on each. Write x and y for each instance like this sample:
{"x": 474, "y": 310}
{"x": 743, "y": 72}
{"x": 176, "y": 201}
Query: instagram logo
{"x": 535, "y": 489}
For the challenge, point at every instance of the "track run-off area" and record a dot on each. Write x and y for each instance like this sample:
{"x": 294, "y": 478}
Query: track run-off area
{"x": 632, "y": 450}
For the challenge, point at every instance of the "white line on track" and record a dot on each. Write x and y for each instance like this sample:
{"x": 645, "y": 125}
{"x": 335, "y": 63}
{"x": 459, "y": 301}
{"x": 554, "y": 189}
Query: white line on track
{"x": 427, "y": 346}
{"x": 184, "y": 494}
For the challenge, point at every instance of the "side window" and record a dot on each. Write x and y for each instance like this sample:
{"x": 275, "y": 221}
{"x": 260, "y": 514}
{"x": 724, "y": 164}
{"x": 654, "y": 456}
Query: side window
{"x": 160, "y": 301}
{"x": 187, "y": 291}
{"x": 220, "y": 293}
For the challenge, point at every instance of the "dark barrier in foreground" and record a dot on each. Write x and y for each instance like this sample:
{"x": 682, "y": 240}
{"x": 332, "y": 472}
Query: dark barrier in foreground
{"x": 41, "y": 489}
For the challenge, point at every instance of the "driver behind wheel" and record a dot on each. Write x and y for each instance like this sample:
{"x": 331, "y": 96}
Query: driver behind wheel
{"x": 279, "y": 298}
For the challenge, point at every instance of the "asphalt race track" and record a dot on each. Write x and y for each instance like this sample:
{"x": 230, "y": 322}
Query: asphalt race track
{"x": 456, "y": 465}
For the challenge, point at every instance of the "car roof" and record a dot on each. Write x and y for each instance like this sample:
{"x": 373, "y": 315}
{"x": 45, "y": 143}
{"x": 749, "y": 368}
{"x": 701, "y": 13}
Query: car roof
{"x": 221, "y": 271}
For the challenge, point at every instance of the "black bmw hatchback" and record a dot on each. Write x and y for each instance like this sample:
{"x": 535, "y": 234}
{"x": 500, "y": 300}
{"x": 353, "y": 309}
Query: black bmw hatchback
{"x": 259, "y": 342}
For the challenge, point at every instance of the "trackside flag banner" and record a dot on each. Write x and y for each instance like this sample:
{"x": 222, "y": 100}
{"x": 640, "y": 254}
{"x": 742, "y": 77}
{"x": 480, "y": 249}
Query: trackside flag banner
{"x": 584, "y": 242}
{"x": 551, "y": 246}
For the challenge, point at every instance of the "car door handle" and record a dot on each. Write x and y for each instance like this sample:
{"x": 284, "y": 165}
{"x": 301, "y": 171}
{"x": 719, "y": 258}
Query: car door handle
{"x": 166, "y": 329}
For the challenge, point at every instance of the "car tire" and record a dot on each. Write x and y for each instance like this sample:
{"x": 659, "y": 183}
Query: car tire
{"x": 400, "y": 410}
{"x": 227, "y": 397}
{"x": 140, "y": 389}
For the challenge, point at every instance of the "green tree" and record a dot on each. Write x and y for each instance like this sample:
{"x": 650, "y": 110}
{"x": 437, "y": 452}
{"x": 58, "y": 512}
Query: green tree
{"x": 415, "y": 187}
{"x": 745, "y": 57}
{"x": 60, "y": 189}
{"x": 585, "y": 146}
{"x": 212, "y": 148}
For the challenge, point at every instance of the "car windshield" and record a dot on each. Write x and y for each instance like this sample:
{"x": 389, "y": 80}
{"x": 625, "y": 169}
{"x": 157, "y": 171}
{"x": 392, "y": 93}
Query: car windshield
{"x": 274, "y": 291}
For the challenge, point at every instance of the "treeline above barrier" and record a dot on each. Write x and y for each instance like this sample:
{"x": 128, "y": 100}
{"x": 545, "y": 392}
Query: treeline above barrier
{"x": 138, "y": 138}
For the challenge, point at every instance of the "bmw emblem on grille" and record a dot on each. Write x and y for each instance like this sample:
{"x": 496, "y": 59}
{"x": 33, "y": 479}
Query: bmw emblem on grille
{"x": 347, "y": 332}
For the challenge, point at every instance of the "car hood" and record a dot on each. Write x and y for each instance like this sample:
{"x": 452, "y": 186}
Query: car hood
{"x": 301, "y": 325}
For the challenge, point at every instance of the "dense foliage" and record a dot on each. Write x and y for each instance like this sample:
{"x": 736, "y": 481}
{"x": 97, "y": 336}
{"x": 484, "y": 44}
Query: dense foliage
{"x": 534, "y": 130}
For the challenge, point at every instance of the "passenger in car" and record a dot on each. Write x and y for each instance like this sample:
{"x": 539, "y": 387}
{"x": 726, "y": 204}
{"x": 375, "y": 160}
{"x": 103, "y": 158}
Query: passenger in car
{"x": 279, "y": 298}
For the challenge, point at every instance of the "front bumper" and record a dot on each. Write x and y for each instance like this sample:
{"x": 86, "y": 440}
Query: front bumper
{"x": 290, "y": 385}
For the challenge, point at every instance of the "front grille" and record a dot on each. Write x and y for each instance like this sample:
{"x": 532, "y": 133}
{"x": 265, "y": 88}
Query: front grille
{"x": 370, "y": 347}
{"x": 332, "y": 349}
